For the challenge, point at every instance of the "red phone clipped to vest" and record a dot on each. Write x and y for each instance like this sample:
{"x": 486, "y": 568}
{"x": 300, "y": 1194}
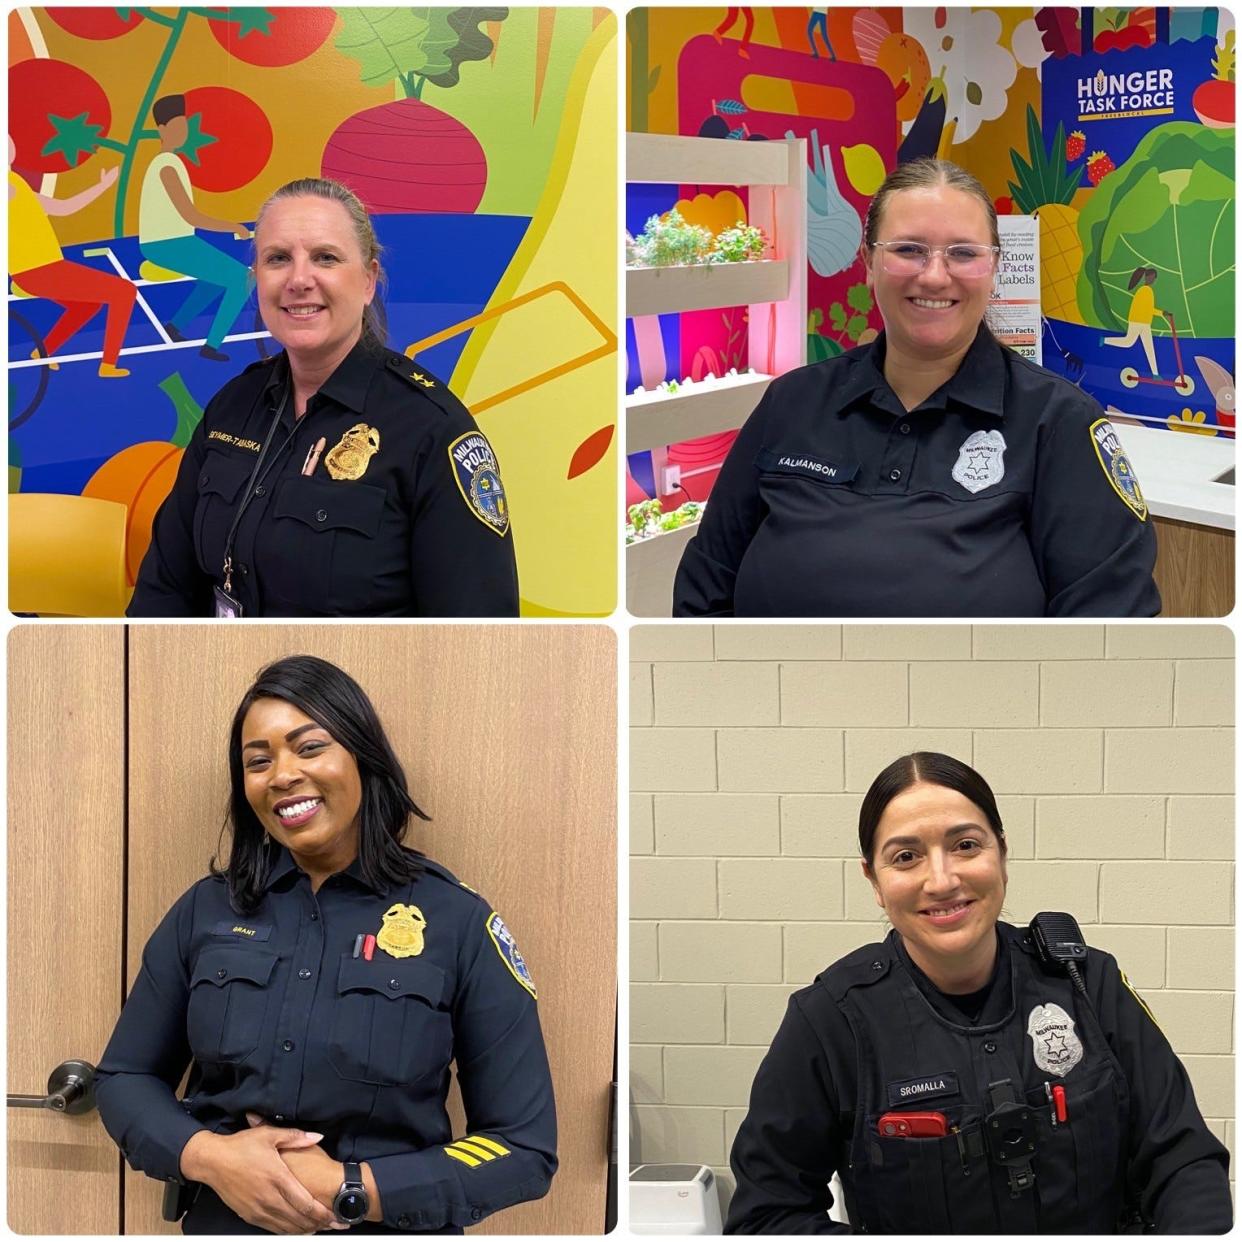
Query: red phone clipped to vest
{"x": 913, "y": 1125}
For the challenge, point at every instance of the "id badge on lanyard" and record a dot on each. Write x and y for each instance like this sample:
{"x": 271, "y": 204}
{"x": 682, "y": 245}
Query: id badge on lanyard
{"x": 226, "y": 605}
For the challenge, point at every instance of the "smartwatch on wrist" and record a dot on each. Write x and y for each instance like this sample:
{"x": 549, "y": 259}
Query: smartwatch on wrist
{"x": 352, "y": 1203}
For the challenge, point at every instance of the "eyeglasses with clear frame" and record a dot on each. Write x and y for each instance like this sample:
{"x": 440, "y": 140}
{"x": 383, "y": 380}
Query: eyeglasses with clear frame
{"x": 909, "y": 258}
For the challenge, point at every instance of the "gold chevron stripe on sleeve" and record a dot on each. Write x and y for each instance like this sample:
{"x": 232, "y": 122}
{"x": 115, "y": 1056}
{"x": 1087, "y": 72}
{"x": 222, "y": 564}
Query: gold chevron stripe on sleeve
{"x": 463, "y": 1157}
{"x": 475, "y": 1149}
{"x": 490, "y": 1144}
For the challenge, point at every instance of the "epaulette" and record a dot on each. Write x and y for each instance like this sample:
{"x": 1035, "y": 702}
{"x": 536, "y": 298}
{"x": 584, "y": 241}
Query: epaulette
{"x": 434, "y": 868}
{"x": 858, "y": 969}
{"x": 424, "y": 383}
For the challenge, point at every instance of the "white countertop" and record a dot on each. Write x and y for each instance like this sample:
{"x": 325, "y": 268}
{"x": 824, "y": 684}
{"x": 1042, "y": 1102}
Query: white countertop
{"x": 1177, "y": 472}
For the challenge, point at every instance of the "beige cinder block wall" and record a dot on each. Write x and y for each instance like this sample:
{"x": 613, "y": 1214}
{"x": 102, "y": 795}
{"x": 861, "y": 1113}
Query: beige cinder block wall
{"x": 1110, "y": 750}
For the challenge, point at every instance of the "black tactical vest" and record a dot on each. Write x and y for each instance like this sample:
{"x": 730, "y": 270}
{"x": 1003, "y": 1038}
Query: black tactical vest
{"x": 913, "y": 1058}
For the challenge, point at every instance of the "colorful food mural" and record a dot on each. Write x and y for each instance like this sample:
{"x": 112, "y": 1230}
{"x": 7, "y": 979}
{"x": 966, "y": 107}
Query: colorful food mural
{"x": 483, "y": 142}
{"x": 1113, "y": 127}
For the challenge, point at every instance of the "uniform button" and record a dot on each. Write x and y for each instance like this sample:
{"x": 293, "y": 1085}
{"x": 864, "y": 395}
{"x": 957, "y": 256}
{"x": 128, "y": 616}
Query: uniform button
{"x": 392, "y": 983}
{"x": 279, "y": 1117}
{"x": 321, "y": 515}
{"x": 314, "y": 916}
{"x": 304, "y": 973}
{"x": 287, "y": 1045}
{"x": 244, "y": 568}
{"x": 476, "y": 1213}
{"x": 989, "y": 1046}
{"x": 260, "y": 490}
{"x": 877, "y": 965}
{"x": 404, "y": 1222}
{"x": 222, "y": 973}
{"x": 904, "y": 429}
{"x": 894, "y": 475}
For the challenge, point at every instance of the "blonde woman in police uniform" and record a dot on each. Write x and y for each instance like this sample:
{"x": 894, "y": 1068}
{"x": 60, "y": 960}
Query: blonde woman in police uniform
{"x": 339, "y": 478}
{"x": 319, "y": 987}
{"x": 956, "y": 1076}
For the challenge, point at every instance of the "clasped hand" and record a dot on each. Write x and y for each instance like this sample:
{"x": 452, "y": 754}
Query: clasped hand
{"x": 277, "y": 1178}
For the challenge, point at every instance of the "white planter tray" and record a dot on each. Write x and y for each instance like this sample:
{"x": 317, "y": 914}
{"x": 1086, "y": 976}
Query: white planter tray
{"x": 663, "y": 290}
{"x": 653, "y": 419}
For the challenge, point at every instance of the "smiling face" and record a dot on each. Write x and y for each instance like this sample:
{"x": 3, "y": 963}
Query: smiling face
{"x": 312, "y": 281}
{"x": 939, "y": 874}
{"x": 302, "y": 784}
{"x": 935, "y": 313}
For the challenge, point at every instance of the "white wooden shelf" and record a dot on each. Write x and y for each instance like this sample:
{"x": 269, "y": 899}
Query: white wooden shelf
{"x": 704, "y": 286}
{"x": 653, "y": 419}
{"x": 650, "y": 566}
{"x": 668, "y": 159}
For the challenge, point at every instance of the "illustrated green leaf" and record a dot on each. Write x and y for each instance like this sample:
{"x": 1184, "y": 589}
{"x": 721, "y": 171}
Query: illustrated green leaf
{"x": 196, "y": 139}
{"x": 836, "y": 313}
{"x": 653, "y": 79}
{"x": 73, "y": 138}
{"x": 386, "y": 43}
{"x": 859, "y": 297}
{"x": 856, "y": 326}
{"x": 250, "y": 21}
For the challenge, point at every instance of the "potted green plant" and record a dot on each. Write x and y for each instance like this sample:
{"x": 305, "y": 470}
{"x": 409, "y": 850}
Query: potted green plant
{"x": 668, "y": 241}
{"x": 743, "y": 243}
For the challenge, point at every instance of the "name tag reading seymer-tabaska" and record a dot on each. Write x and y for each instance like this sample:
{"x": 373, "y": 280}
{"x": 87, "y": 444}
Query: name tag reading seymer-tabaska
{"x": 779, "y": 461}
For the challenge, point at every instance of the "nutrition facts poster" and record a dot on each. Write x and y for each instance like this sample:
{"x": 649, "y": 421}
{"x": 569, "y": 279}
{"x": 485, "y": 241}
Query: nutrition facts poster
{"x": 1013, "y": 311}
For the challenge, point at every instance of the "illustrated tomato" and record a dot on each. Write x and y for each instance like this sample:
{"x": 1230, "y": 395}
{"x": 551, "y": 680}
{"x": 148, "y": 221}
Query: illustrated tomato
{"x": 94, "y": 23}
{"x": 292, "y": 36}
{"x": 242, "y": 133}
{"x": 42, "y": 87}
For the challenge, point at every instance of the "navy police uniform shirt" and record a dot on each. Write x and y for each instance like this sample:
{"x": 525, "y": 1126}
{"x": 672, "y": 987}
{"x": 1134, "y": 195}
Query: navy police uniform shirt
{"x": 383, "y": 499}
{"x": 277, "y": 1017}
{"x": 1006, "y": 493}
{"x": 872, "y": 1036}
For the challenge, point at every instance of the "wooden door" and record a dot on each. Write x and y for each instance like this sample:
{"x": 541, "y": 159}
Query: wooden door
{"x": 508, "y": 737}
{"x": 66, "y": 799}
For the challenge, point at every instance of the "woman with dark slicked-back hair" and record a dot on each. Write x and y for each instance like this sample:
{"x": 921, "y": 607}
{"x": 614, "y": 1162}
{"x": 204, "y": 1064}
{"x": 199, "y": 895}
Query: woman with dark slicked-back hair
{"x": 930, "y": 471}
{"x": 338, "y": 478}
{"x": 958, "y": 1077}
{"x": 318, "y": 987}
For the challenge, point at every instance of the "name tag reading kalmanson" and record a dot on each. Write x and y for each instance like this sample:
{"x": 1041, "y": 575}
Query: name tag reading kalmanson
{"x": 809, "y": 467}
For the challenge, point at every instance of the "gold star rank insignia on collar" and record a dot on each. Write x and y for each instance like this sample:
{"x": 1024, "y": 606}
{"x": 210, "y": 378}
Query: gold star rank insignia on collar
{"x": 422, "y": 379}
{"x": 402, "y": 933}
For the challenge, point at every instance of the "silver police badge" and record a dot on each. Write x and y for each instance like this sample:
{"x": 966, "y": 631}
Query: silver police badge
{"x": 980, "y": 460}
{"x": 1057, "y": 1048}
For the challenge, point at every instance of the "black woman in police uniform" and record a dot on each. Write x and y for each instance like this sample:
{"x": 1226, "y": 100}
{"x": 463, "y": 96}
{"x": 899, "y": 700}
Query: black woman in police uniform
{"x": 933, "y": 472}
{"x": 318, "y": 987}
{"x": 338, "y": 478}
{"x": 955, "y": 1076}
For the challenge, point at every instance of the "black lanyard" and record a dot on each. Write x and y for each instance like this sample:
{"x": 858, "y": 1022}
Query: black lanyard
{"x": 250, "y": 486}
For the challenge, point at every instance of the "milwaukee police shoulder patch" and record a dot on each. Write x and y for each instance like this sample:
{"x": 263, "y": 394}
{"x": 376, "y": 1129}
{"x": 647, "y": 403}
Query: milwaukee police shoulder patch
{"x": 1116, "y": 466}
{"x": 478, "y": 478}
{"x": 1056, "y": 1045}
{"x": 980, "y": 460}
{"x": 506, "y": 946}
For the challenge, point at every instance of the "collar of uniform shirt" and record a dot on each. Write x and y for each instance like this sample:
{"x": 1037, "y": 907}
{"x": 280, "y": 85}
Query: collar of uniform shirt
{"x": 284, "y": 865}
{"x": 978, "y": 383}
{"x": 347, "y": 385}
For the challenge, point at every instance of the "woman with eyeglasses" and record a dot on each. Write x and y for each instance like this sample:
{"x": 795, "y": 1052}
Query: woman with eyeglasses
{"x": 933, "y": 472}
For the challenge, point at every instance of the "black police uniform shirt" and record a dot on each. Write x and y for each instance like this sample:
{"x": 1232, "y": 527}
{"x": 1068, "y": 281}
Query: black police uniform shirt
{"x": 401, "y": 513}
{"x": 871, "y": 1035}
{"x": 280, "y": 1019}
{"x": 1005, "y": 493}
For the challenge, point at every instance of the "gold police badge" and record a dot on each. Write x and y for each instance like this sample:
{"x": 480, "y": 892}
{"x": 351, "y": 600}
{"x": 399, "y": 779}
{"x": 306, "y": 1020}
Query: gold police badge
{"x": 349, "y": 458}
{"x": 402, "y": 933}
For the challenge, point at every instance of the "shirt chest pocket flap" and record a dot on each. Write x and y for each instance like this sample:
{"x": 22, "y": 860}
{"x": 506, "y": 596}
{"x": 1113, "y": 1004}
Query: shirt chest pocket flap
{"x": 220, "y": 482}
{"x": 391, "y": 1024}
{"x": 815, "y": 467}
{"x": 331, "y": 506}
{"x": 228, "y": 1001}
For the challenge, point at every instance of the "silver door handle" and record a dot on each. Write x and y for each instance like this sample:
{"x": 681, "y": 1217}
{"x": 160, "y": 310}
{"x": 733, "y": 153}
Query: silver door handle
{"x": 70, "y": 1089}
